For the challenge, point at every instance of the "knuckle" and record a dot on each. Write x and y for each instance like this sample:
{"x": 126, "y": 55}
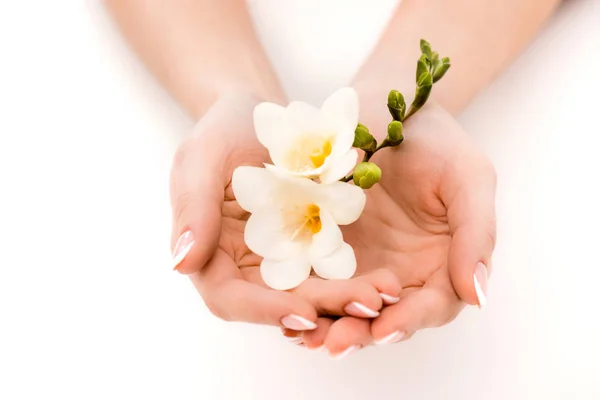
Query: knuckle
{"x": 363, "y": 288}
{"x": 387, "y": 278}
{"x": 490, "y": 233}
{"x": 181, "y": 205}
{"x": 183, "y": 152}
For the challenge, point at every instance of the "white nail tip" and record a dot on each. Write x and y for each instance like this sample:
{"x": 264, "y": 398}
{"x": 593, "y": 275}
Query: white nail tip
{"x": 297, "y": 323}
{"x": 178, "y": 258}
{"x": 480, "y": 295}
{"x": 365, "y": 310}
{"x": 391, "y": 338}
{"x": 345, "y": 353}
{"x": 389, "y": 299}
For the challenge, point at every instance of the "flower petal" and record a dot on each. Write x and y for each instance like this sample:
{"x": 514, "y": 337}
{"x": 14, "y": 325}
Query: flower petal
{"x": 327, "y": 240}
{"x": 265, "y": 236}
{"x": 338, "y": 167}
{"x": 341, "y": 264}
{"x": 253, "y": 187}
{"x": 344, "y": 201}
{"x": 304, "y": 117}
{"x": 286, "y": 274}
{"x": 341, "y": 110}
{"x": 273, "y": 129}
{"x": 311, "y": 173}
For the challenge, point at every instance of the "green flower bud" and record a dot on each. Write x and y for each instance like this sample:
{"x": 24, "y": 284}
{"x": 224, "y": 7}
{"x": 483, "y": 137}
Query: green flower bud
{"x": 435, "y": 57}
{"x": 424, "y": 85}
{"x": 426, "y": 49}
{"x": 440, "y": 69}
{"x": 422, "y": 68}
{"x": 396, "y": 105}
{"x": 366, "y": 174}
{"x": 425, "y": 79}
{"x": 363, "y": 139}
{"x": 394, "y": 135}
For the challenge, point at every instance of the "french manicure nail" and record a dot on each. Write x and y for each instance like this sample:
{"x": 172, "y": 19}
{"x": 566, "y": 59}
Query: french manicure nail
{"x": 182, "y": 248}
{"x": 387, "y": 299}
{"x": 297, "y": 323}
{"x": 316, "y": 349}
{"x": 480, "y": 282}
{"x": 345, "y": 353}
{"x": 357, "y": 309}
{"x": 393, "y": 337}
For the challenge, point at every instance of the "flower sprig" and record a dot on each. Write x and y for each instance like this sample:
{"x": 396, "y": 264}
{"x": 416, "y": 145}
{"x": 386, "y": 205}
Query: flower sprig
{"x": 430, "y": 69}
{"x": 297, "y": 203}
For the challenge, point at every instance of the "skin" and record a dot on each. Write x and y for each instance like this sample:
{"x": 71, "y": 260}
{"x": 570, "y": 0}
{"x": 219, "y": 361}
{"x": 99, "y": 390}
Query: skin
{"x": 426, "y": 225}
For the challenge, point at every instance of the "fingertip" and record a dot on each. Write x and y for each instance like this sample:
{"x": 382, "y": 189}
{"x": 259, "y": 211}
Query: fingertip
{"x": 182, "y": 247}
{"x": 468, "y": 260}
{"x": 387, "y": 284}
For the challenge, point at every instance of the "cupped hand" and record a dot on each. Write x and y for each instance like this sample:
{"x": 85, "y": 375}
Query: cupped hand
{"x": 208, "y": 233}
{"x": 430, "y": 221}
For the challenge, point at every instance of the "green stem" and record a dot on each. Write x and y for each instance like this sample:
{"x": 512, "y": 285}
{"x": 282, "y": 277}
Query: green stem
{"x": 410, "y": 112}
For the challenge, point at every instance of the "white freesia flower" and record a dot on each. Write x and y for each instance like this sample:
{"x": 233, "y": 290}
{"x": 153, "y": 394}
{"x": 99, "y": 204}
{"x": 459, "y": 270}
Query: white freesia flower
{"x": 294, "y": 225}
{"x": 310, "y": 142}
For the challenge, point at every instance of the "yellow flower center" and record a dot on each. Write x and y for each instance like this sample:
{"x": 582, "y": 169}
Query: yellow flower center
{"x": 310, "y": 223}
{"x": 318, "y": 156}
{"x": 308, "y": 153}
{"x": 313, "y": 219}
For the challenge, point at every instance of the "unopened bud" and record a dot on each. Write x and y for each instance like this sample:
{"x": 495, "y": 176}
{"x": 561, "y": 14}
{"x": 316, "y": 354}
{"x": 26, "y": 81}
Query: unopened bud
{"x": 394, "y": 135}
{"x": 426, "y": 49}
{"x": 425, "y": 80}
{"x": 440, "y": 69}
{"x": 363, "y": 139}
{"x": 421, "y": 68}
{"x": 396, "y": 105}
{"x": 366, "y": 174}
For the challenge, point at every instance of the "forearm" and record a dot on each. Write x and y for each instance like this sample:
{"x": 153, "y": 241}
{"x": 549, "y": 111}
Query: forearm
{"x": 198, "y": 49}
{"x": 480, "y": 37}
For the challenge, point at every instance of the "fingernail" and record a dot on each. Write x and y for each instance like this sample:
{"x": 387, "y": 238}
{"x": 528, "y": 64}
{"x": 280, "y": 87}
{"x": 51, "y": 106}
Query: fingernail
{"x": 391, "y": 338}
{"x": 480, "y": 283}
{"x": 294, "y": 340}
{"x": 356, "y": 309}
{"x": 345, "y": 353}
{"x": 297, "y": 323}
{"x": 387, "y": 299}
{"x": 316, "y": 349}
{"x": 182, "y": 248}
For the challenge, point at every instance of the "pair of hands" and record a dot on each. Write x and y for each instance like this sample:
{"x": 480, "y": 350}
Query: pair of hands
{"x": 423, "y": 243}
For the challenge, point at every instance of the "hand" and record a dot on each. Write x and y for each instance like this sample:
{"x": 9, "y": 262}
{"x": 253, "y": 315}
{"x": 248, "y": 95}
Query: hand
{"x": 208, "y": 240}
{"x": 430, "y": 221}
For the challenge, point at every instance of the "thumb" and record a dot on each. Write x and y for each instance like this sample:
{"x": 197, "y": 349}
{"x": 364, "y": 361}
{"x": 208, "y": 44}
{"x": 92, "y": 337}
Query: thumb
{"x": 471, "y": 216}
{"x": 196, "y": 199}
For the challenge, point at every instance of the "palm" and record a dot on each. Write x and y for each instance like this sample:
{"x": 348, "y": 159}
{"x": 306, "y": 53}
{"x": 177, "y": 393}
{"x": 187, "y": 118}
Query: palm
{"x": 405, "y": 225}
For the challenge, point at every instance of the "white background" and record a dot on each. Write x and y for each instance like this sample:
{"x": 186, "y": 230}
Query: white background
{"x": 89, "y": 308}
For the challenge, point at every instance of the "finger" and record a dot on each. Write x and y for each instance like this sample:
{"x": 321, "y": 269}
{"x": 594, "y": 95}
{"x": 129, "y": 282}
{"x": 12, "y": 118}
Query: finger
{"x": 341, "y": 297}
{"x": 358, "y": 296}
{"x": 231, "y": 298}
{"x": 470, "y": 196}
{"x": 420, "y": 308}
{"x": 386, "y": 282}
{"x": 196, "y": 199}
{"x": 347, "y": 335}
{"x": 315, "y": 339}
